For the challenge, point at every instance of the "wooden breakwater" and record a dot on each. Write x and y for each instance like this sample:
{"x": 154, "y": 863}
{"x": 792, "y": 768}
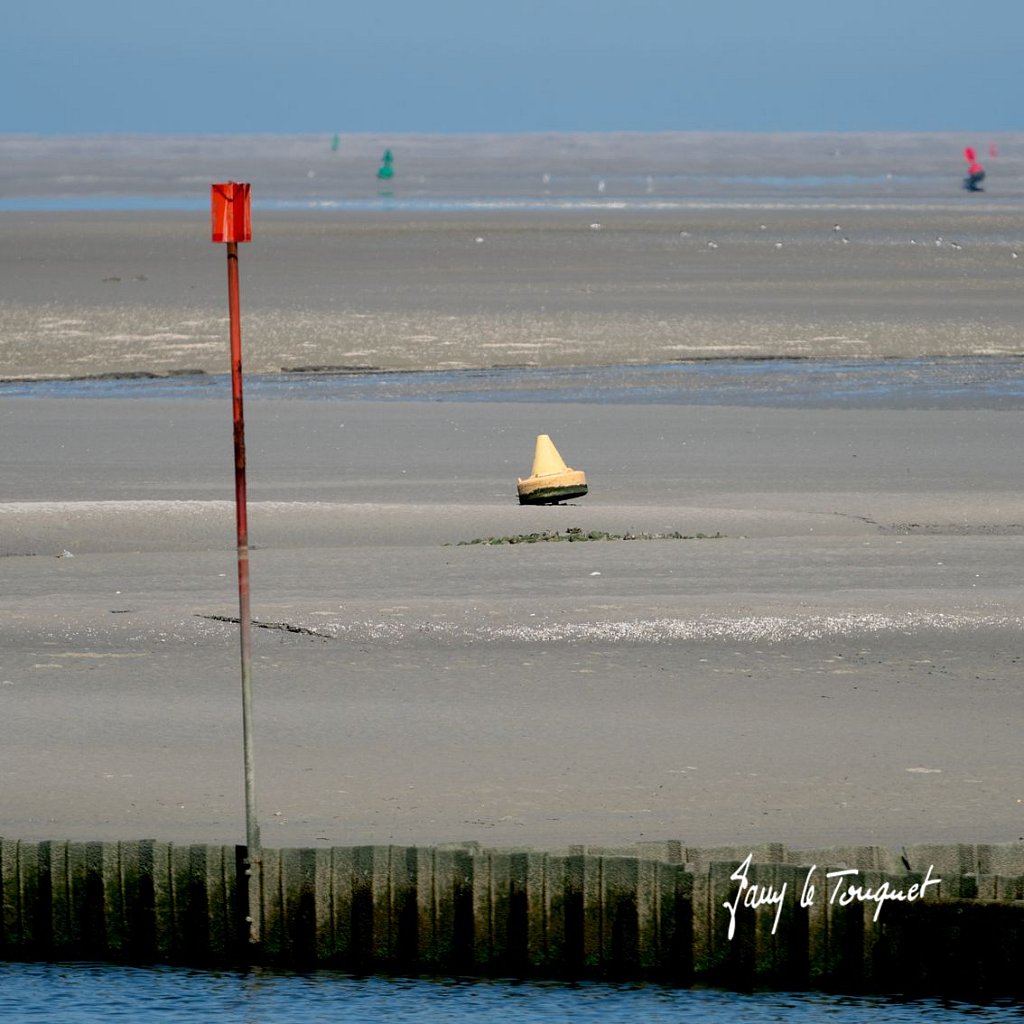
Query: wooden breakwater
{"x": 927, "y": 919}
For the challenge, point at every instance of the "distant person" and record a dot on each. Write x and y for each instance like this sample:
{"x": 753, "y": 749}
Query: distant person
{"x": 975, "y": 172}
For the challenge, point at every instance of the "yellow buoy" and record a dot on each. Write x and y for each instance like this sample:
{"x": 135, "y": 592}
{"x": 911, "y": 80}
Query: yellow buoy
{"x": 551, "y": 480}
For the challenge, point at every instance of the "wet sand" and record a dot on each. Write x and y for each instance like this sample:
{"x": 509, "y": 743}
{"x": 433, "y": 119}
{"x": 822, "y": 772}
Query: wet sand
{"x": 95, "y": 293}
{"x": 842, "y": 665}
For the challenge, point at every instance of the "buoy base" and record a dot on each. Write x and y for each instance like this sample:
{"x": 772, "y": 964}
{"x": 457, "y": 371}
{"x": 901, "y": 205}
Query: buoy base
{"x": 552, "y": 488}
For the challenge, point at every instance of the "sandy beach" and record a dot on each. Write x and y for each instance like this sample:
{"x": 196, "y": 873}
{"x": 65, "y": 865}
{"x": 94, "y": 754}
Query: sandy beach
{"x": 830, "y": 653}
{"x": 840, "y": 666}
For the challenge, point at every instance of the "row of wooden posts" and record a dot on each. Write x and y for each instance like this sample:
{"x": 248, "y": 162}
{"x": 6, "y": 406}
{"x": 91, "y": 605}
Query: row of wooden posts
{"x": 954, "y": 919}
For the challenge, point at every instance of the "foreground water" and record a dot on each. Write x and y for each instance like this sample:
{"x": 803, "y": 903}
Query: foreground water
{"x": 87, "y": 993}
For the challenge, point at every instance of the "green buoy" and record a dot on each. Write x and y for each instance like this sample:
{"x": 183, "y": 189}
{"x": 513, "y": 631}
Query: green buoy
{"x": 386, "y": 170}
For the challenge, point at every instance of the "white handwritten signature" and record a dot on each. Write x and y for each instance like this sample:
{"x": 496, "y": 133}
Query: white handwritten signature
{"x": 843, "y": 893}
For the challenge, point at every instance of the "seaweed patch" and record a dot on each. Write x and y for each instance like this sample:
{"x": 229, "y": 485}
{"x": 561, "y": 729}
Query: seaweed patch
{"x": 575, "y": 534}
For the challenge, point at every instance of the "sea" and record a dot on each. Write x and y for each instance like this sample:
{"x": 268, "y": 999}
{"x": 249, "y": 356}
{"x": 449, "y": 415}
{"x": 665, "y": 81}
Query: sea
{"x": 536, "y": 173}
{"x": 544, "y": 171}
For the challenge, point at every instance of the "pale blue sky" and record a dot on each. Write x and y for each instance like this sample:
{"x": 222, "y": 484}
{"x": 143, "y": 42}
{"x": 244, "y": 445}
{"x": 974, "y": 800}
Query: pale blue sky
{"x": 510, "y": 65}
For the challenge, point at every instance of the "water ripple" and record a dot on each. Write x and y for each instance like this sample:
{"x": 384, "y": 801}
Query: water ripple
{"x": 93, "y": 993}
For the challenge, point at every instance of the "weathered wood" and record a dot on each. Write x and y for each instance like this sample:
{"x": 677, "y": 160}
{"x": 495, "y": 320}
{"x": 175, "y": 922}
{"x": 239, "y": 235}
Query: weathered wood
{"x": 932, "y": 920}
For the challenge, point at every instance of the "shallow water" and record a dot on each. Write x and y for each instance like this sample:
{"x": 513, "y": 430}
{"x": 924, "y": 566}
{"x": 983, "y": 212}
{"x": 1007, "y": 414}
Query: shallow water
{"x": 87, "y": 993}
{"x": 554, "y": 170}
{"x": 954, "y": 383}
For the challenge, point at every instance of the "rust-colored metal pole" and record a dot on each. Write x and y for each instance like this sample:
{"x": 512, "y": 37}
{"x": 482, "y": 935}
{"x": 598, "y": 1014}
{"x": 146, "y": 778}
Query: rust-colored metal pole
{"x": 252, "y": 831}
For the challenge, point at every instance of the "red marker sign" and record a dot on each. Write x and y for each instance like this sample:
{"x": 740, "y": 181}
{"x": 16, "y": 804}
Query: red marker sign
{"x": 230, "y": 214}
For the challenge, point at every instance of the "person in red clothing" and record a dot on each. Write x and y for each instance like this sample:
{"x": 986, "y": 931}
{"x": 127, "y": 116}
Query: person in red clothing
{"x": 975, "y": 172}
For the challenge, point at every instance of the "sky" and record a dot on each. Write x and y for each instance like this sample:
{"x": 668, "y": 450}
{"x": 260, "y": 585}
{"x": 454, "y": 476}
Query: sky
{"x": 438, "y": 66}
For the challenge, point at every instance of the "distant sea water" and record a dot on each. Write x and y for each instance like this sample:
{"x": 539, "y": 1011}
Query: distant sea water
{"x": 639, "y": 171}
